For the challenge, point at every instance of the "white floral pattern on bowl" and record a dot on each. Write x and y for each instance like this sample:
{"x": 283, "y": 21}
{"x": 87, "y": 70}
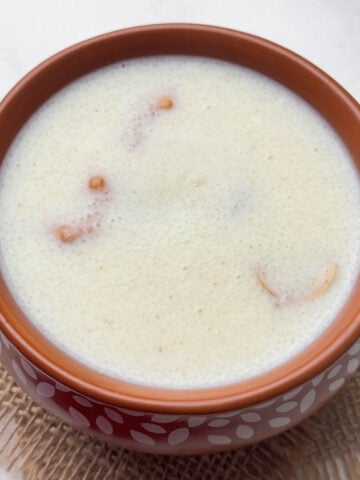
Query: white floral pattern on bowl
{"x": 160, "y": 433}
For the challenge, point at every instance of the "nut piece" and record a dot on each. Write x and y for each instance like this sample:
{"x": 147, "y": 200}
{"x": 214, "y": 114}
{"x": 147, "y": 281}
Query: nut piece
{"x": 97, "y": 182}
{"x": 320, "y": 290}
{"x": 263, "y": 283}
{"x": 67, "y": 233}
{"x": 327, "y": 282}
{"x": 164, "y": 103}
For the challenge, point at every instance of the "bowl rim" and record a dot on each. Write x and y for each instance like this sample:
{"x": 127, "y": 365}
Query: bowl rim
{"x": 325, "y": 350}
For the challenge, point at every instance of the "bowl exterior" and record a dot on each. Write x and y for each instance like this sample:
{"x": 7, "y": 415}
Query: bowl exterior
{"x": 154, "y": 432}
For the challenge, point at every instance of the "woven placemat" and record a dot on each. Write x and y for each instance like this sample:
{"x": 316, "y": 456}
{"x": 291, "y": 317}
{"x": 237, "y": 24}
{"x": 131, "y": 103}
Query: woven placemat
{"x": 326, "y": 446}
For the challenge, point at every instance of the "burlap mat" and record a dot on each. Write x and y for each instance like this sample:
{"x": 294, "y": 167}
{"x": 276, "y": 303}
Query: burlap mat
{"x": 326, "y": 446}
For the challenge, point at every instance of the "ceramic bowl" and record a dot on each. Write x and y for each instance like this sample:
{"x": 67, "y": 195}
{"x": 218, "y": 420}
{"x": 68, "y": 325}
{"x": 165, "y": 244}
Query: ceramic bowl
{"x": 181, "y": 421}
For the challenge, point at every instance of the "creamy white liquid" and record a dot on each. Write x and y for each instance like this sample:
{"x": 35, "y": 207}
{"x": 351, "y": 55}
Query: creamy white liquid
{"x": 238, "y": 184}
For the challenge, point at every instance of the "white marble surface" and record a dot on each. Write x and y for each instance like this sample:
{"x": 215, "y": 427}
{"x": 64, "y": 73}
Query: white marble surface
{"x": 327, "y": 32}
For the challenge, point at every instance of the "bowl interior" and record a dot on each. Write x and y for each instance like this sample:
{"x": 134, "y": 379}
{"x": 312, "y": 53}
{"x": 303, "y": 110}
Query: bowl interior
{"x": 331, "y": 101}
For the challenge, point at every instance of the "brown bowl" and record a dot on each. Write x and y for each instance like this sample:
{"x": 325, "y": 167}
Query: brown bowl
{"x": 181, "y": 421}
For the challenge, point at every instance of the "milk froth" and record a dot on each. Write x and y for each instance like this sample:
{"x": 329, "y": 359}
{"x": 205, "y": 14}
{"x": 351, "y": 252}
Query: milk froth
{"x": 224, "y": 240}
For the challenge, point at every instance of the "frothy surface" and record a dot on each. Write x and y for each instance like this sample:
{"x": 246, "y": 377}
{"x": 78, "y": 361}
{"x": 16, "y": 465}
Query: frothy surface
{"x": 210, "y": 247}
